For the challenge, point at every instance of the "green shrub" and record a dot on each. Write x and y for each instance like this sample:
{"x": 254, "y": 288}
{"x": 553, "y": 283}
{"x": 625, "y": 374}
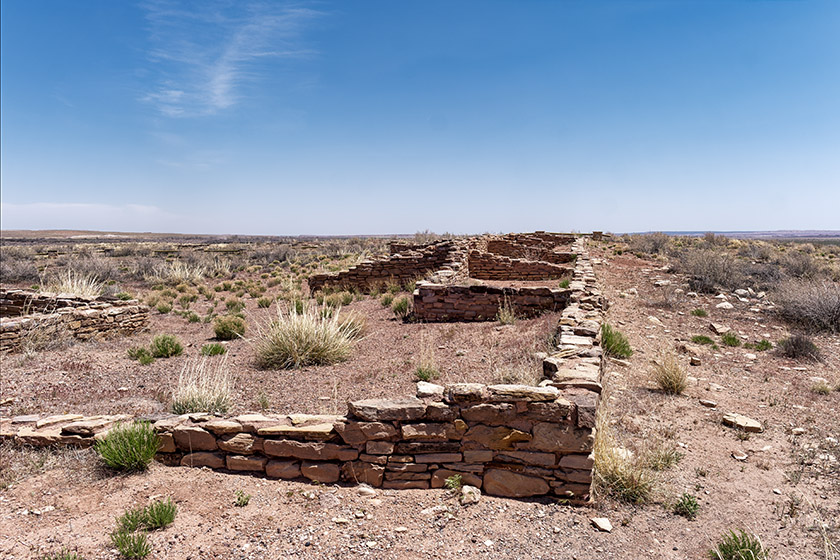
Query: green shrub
{"x": 213, "y": 349}
{"x": 163, "y": 307}
{"x": 141, "y": 355}
{"x": 814, "y": 305}
{"x": 739, "y": 546}
{"x": 234, "y": 305}
{"x": 295, "y": 340}
{"x": 699, "y": 313}
{"x": 131, "y": 521}
{"x": 686, "y": 506}
{"x": 386, "y": 300}
{"x": 798, "y": 347}
{"x": 761, "y": 345}
{"x": 402, "y": 307}
{"x": 201, "y": 389}
{"x": 131, "y": 545}
{"x": 264, "y": 302}
{"x": 614, "y": 343}
{"x": 64, "y": 554}
{"x": 242, "y": 499}
{"x": 159, "y": 514}
{"x": 165, "y": 346}
{"x": 730, "y": 339}
{"x": 454, "y": 482}
{"x": 702, "y": 339}
{"x": 129, "y": 447}
{"x": 565, "y": 283}
{"x": 124, "y": 296}
{"x": 229, "y": 327}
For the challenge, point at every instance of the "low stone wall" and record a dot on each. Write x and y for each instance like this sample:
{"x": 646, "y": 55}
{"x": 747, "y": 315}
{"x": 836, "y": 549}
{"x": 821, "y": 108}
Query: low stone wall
{"x": 506, "y": 248}
{"x": 438, "y": 302}
{"x": 510, "y": 440}
{"x": 403, "y": 268}
{"x": 82, "y": 318}
{"x": 487, "y": 266}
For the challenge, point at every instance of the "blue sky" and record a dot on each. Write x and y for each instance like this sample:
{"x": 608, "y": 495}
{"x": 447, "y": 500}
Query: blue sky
{"x": 394, "y": 117}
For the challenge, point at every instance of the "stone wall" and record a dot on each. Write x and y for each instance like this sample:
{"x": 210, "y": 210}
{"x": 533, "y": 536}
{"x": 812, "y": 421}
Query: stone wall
{"x": 439, "y": 302}
{"x": 82, "y": 318}
{"x": 487, "y": 266}
{"x": 508, "y": 248}
{"x": 402, "y": 268}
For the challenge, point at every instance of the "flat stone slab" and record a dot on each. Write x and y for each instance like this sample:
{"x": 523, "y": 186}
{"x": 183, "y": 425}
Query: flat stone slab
{"x": 316, "y": 431}
{"x": 735, "y": 420}
{"x": 508, "y": 393}
{"x": 513, "y": 485}
{"x": 374, "y": 410}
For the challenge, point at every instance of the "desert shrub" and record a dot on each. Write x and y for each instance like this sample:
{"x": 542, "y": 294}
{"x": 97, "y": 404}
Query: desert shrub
{"x": 131, "y": 545}
{"x": 686, "y": 506}
{"x": 332, "y": 300}
{"x": 614, "y": 343}
{"x": 294, "y": 340}
{"x": 821, "y": 388}
{"x": 94, "y": 266}
{"x": 661, "y": 455}
{"x": 761, "y": 345}
{"x": 702, "y": 339}
{"x": 454, "y": 482}
{"x": 241, "y": 498}
{"x": 229, "y": 327}
{"x": 650, "y": 243}
{"x": 159, "y": 514}
{"x": 669, "y": 376}
{"x": 163, "y": 307}
{"x": 402, "y": 307}
{"x": 45, "y": 335}
{"x": 739, "y": 546}
{"x": 386, "y": 300}
{"x": 129, "y": 447}
{"x": 353, "y": 324}
{"x": 124, "y": 296}
{"x": 506, "y": 315}
{"x": 730, "y": 339}
{"x": 14, "y": 270}
{"x": 165, "y": 346}
{"x": 617, "y": 473}
{"x": 203, "y": 389}
{"x": 234, "y": 305}
{"x": 176, "y": 272}
{"x": 799, "y": 346}
{"x": 426, "y": 365}
{"x": 815, "y": 305}
{"x": 799, "y": 265}
{"x": 76, "y": 284}
{"x": 140, "y": 354}
{"x": 213, "y": 349}
{"x": 565, "y": 283}
{"x": 700, "y": 313}
{"x": 264, "y": 302}
{"x": 709, "y": 270}
{"x": 63, "y": 554}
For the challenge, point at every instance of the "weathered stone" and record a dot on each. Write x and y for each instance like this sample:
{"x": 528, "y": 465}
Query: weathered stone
{"x": 478, "y": 455}
{"x": 439, "y": 478}
{"x": 719, "y": 329}
{"x": 405, "y": 484}
{"x": 324, "y": 473}
{"x": 576, "y": 476}
{"x": 406, "y": 475}
{"x": 527, "y": 457}
{"x": 282, "y": 469}
{"x": 167, "y": 424}
{"x": 469, "y": 494}
{"x": 376, "y": 410}
{"x": 510, "y": 393}
{"x": 427, "y": 447}
{"x": 203, "y": 459}
{"x": 571, "y": 491}
{"x": 57, "y": 419}
{"x": 424, "y": 432}
{"x": 577, "y": 461}
{"x": 429, "y": 390}
{"x": 513, "y": 485}
{"x": 245, "y": 463}
{"x": 559, "y": 438}
{"x": 376, "y": 459}
{"x": 242, "y": 443}
{"x": 500, "y": 413}
{"x": 461, "y": 393}
{"x": 602, "y": 524}
{"x": 438, "y": 458}
{"x": 361, "y": 472}
{"x": 86, "y": 427}
{"x": 193, "y": 438}
{"x": 251, "y": 422}
{"x": 379, "y": 447}
{"x": 315, "y": 431}
{"x": 586, "y": 406}
{"x": 311, "y": 419}
{"x": 440, "y": 412}
{"x": 317, "y": 451}
{"x": 220, "y": 427}
{"x": 49, "y": 436}
{"x": 167, "y": 443}
{"x": 494, "y": 438}
{"x": 735, "y": 420}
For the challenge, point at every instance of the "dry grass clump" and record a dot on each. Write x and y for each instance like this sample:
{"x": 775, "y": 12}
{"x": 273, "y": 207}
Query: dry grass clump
{"x": 353, "y": 324}
{"x": 76, "y": 284}
{"x": 799, "y": 346}
{"x": 650, "y": 243}
{"x": 203, "y": 388}
{"x": 177, "y": 272}
{"x": 669, "y": 375}
{"x": 710, "y": 270}
{"x": 298, "y": 338}
{"x": 48, "y": 334}
{"x": 813, "y": 304}
{"x": 617, "y": 472}
{"x": 506, "y": 314}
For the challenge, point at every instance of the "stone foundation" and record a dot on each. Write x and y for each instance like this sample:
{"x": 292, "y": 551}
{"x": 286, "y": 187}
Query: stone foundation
{"x": 487, "y": 266}
{"x": 439, "y": 302}
{"x": 83, "y": 318}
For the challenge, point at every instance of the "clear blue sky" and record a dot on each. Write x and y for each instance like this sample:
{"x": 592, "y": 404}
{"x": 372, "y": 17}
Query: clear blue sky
{"x": 393, "y": 117}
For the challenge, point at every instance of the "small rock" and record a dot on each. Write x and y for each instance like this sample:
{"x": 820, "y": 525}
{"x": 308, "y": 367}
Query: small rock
{"x": 798, "y": 431}
{"x": 721, "y": 296}
{"x": 739, "y": 455}
{"x": 340, "y": 520}
{"x": 469, "y": 495}
{"x": 719, "y": 329}
{"x": 707, "y": 403}
{"x": 655, "y": 321}
{"x": 725, "y": 305}
{"x": 365, "y": 490}
{"x": 750, "y": 356}
{"x": 660, "y": 283}
{"x": 735, "y": 420}
{"x": 401, "y": 529}
{"x": 777, "y": 491}
{"x": 602, "y": 524}
{"x": 694, "y": 361}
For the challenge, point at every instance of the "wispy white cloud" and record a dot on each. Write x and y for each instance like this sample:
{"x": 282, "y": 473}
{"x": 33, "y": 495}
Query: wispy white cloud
{"x": 205, "y": 53}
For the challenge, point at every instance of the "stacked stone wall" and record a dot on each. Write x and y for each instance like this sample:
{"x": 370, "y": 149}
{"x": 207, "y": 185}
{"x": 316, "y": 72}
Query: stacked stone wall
{"x": 402, "y": 268}
{"x": 511, "y": 249}
{"x": 440, "y": 302}
{"x": 487, "y": 266}
{"x": 23, "y": 311}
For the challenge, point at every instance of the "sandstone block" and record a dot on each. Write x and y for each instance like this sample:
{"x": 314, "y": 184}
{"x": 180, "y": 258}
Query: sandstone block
{"x": 556, "y": 411}
{"x": 241, "y": 443}
{"x": 379, "y": 447}
{"x": 376, "y": 410}
{"x": 513, "y": 485}
{"x": 317, "y": 451}
{"x": 478, "y": 455}
{"x": 360, "y": 472}
{"x": 500, "y": 413}
{"x": 193, "y": 438}
{"x": 429, "y": 390}
{"x": 466, "y": 393}
{"x": 411, "y": 448}
{"x": 577, "y": 461}
{"x": 439, "y": 478}
{"x": 57, "y": 419}
{"x": 511, "y": 393}
{"x": 424, "y": 432}
{"x": 220, "y": 427}
{"x": 405, "y": 484}
{"x": 203, "y": 459}
{"x": 315, "y": 431}
{"x": 560, "y": 438}
{"x": 324, "y": 473}
{"x": 494, "y": 438}
{"x": 735, "y": 420}
{"x": 246, "y": 463}
{"x": 527, "y": 458}
{"x": 440, "y": 412}
{"x": 282, "y": 469}
{"x": 406, "y": 475}
{"x": 438, "y": 458}
{"x": 167, "y": 443}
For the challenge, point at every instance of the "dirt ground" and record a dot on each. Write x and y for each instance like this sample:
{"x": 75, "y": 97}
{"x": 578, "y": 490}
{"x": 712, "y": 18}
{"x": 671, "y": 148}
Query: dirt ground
{"x": 786, "y": 490}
